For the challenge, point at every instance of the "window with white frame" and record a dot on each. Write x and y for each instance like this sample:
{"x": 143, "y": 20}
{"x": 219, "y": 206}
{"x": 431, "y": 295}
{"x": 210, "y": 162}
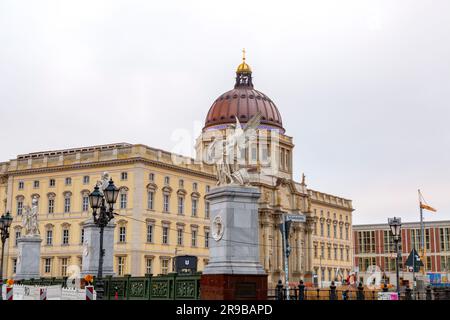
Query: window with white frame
{"x": 150, "y": 228}
{"x": 164, "y": 266}
{"x": 85, "y": 203}
{"x": 180, "y": 205}
{"x": 150, "y": 200}
{"x": 17, "y": 235}
{"x": 120, "y": 265}
{"x": 194, "y": 207}
{"x": 166, "y": 180}
{"x": 149, "y": 265}
{"x": 36, "y": 184}
{"x": 123, "y": 176}
{"x": 64, "y": 266}
{"x": 65, "y": 236}
{"x": 51, "y": 205}
{"x": 207, "y": 209}
{"x": 122, "y": 234}
{"x": 207, "y": 188}
{"x": 21, "y": 185}
{"x": 166, "y": 203}
{"x": 49, "y": 237}
{"x": 68, "y": 181}
{"x": 82, "y": 235}
{"x": 123, "y": 200}
{"x": 194, "y": 186}
{"x": 52, "y": 182}
{"x": 47, "y": 265}
{"x": 206, "y": 239}
{"x": 181, "y": 183}
{"x": 151, "y": 177}
{"x": 67, "y": 202}
{"x": 165, "y": 235}
{"x": 194, "y": 237}
{"x": 86, "y": 180}
{"x": 180, "y": 236}
{"x": 19, "y": 206}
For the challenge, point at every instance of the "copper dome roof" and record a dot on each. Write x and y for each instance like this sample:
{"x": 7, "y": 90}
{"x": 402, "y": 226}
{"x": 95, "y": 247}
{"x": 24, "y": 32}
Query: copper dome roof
{"x": 243, "y": 102}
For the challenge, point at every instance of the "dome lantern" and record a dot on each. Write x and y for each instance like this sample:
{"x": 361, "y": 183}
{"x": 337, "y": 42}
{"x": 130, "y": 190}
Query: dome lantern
{"x": 243, "y": 74}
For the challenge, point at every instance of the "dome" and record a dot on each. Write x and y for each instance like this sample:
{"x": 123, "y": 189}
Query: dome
{"x": 243, "y": 102}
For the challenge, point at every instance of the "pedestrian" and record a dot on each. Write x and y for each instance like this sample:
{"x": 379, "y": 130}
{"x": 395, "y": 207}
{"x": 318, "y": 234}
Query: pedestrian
{"x": 301, "y": 291}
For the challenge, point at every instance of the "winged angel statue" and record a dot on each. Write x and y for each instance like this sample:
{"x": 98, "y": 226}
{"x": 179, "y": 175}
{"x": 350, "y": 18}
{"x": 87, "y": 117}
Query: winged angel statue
{"x": 223, "y": 152}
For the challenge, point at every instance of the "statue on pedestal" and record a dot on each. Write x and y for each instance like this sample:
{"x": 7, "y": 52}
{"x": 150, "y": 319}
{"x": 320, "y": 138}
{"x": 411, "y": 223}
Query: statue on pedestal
{"x": 30, "y": 222}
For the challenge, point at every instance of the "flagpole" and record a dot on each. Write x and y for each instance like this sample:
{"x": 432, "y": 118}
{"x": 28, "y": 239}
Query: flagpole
{"x": 422, "y": 234}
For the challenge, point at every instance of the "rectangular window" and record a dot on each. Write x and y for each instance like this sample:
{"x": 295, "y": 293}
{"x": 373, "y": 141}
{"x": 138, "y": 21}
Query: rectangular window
{"x": 124, "y": 176}
{"x": 149, "y": 266}
{"x": 47, "y": 265}
{"x": 321, "y": 229}
{"x": 18, "y": 234}
{"x": 180, "y": 205}
{"x": 14, "y": 265}
{"x": 194, "y": 238}
{"x": 207, "y": 188}
{"x": 328, "y": 230}
{"x": 181, "y": 183}
{"x": 445, "y": 239}
{"x": 206, "y": 239}
{"x": 68, "y": 181}
{"x": 51, "y": 205}
{"x": 149, "y": 233}
{"x": 19, "y": 207}
{"x": 194, "y": 207}
{"x": 346, "y": 233}
{"x": 166, "y": 180}
{"x": 180, "y": 236}
{"x": 315, "y": 251}
{"x": 36, "y": 184}
{"x": 65, "y": 239}
{"x": 340, "y": 232}
{"x": 82, "y": 236}
{"x": 164, "y": 266}
{"x": 67, "y": 205}
{"x": 151, "y": 177}
{"x": 322, "y": 251}
{"x": 123, "y": 201}
{"x": 335, "y": 231}
{"x": 64, "y": 267}
{"x": 150, "y": 200}
{"x": 85, "y": 179}
{"x": 348, "y": 254}
{"x": 122, "y": 234}
{"x": 165, "y": 235}
{"x": 166, "y": 203}
{"x": 21, "y": 185}
{"x": 85, "y": 206}
{"x": 194, "y": 186}
{"x": 335, "y": 254}
{"x": 52, "y": 182}
{"x": 207, "y": 209}
{"x": 49, "y": 237}
{"x": 329, "y": 253}
{"x": 120, "y": 265}
{"x": 429, "y": 265}
{"x": 367, "y": 241}
{"x": 342, "y": 254}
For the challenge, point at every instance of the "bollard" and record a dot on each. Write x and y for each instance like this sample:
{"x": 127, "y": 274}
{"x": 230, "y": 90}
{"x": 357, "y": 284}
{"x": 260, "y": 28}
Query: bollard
{"x": 279, "y": 290}
{"x": 42, "y": 293}
{"x": 360, "y": 292}
{"x": 89, "y": 292}
{"x": 332, "y": 291}
{"x": 301, "y": 291}
{"x": 9, "y": 293}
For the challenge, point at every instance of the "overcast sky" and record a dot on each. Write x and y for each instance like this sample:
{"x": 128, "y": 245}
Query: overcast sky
{"x": 363, "y": 86}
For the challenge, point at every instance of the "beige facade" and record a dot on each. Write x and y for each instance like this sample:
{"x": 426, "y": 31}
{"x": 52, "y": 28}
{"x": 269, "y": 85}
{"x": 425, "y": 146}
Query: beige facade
{"x": 162, "y": 208}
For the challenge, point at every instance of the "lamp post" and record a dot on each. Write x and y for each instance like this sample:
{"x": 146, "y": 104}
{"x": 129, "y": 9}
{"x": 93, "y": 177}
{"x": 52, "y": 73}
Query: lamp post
{"x": 99, "y": 201}
{"x": 396, "y": 224}
{"x": 5, "y": 223}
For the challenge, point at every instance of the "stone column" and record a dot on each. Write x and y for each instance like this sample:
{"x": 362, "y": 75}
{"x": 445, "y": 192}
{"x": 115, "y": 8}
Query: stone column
{"x": 91, "y": 248}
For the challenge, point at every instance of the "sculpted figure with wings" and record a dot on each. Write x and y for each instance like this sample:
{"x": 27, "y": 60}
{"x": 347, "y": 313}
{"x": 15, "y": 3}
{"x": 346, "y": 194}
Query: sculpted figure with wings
{"x": 223, "y": 153}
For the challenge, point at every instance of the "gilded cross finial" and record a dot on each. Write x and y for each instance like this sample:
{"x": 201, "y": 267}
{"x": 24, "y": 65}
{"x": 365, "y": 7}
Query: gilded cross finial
{"x": 243, "y": 54}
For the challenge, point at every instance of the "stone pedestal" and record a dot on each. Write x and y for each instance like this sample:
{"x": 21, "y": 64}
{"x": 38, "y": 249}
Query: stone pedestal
{"x": 91, "y": 248}
{"x": 29, "y": 257}
{"x": 234, "y": 270}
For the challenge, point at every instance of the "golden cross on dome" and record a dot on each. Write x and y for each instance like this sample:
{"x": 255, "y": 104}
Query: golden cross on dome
{"x": 243, "y": 54}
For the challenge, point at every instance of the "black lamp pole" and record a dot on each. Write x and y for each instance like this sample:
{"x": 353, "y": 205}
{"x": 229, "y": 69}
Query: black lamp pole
{"x": 395, "y": 224}
{"x": 99, "y": 201}
{"x": 5, "y": 223}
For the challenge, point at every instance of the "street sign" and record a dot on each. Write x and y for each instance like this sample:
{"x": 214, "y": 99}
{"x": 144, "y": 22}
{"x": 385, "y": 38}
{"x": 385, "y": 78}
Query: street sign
{"x": 295, "y": 218}
{"x": 416, "y": 263}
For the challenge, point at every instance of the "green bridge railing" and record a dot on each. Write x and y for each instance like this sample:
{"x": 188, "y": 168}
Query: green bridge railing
{"x": 172, "y": 286}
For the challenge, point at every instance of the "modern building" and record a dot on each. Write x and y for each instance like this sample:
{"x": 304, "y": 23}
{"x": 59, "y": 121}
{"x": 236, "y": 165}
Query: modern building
{"x": 374, "y": 246}
{"x": 162, "y": 207}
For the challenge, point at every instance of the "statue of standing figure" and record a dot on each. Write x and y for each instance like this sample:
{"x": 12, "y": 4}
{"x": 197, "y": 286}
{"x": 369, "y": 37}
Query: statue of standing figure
{"x": 30, "y": 221}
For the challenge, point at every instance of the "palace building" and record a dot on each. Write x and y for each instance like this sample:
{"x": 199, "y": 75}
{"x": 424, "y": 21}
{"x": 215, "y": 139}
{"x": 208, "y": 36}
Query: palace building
{"x": 162, "y": 211}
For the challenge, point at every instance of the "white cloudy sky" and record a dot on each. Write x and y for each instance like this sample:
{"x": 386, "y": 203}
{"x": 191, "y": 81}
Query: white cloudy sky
{"x": 363, "y": 86}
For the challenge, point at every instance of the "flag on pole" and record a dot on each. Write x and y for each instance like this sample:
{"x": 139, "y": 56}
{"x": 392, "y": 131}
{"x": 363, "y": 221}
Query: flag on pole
{"x": 427, "y": 207}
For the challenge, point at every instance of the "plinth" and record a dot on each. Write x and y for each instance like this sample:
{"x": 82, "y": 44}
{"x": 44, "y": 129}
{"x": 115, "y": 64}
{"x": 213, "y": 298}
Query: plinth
{"x": 234, "y": 271}
{"x": 28, "y": 257}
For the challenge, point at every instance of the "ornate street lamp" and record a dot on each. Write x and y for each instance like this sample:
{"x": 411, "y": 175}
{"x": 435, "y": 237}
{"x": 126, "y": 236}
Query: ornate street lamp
{"x": 98, "y": 201}
{"x": 396, "y": 225}
{"x": 5, "y": 223}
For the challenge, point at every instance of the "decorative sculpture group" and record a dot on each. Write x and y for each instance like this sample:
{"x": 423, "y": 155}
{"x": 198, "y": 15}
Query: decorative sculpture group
{"x": 223, "y": 153}
{"x": 30, "y": 221}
